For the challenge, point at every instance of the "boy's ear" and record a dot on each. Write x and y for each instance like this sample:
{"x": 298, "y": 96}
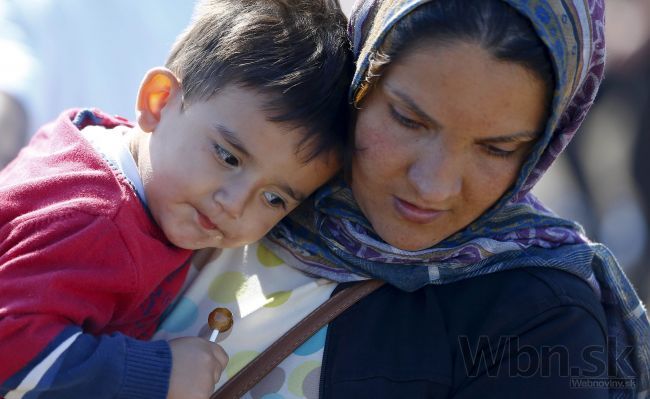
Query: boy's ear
{"x": 157, "y": 89}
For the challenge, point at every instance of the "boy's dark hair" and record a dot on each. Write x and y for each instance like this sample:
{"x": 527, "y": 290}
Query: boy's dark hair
{"x": 294, "y": 51}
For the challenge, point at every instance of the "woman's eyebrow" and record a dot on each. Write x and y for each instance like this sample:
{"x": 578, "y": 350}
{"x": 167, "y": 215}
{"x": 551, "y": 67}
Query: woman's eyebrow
{"x": 232, "y": 139}
{"x": 412, "y": 106}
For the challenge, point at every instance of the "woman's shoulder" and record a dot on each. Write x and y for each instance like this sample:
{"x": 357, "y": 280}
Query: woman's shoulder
{"x": 471, "y": 337}
{"x": 509, "y": 299}
{"x": 506, "y": 302}
{"x": 529, "y": 284}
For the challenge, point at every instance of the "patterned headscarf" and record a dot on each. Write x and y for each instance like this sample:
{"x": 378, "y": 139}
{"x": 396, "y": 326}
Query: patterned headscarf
{"x": 330, "y": 237}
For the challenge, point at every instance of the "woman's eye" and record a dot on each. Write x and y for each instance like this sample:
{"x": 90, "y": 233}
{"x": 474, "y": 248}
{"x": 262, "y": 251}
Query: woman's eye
{"x": 226, "y": 156}
{"x": 498, "y": 152}
{"x": 403, "y": 120}
{"x": 274, "y": 200}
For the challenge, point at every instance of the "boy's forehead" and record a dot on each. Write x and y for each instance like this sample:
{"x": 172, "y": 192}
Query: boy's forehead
{"x": 305, "y": 144}
{"x": 239, "y": 118}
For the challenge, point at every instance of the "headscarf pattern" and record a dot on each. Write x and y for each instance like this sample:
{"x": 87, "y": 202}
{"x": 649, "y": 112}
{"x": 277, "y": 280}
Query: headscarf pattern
{"x": 330, "y": 237}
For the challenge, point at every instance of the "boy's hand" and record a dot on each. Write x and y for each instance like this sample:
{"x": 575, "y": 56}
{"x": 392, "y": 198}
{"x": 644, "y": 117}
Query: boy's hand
{"x": 197, "y": 365}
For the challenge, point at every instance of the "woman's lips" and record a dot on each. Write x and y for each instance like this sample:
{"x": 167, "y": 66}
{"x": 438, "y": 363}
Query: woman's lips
{"x": 413, "y": 213}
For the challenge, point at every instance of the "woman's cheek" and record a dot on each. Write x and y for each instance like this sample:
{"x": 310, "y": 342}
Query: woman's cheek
{"x": 491, "y": 178}
{"x": 376, "y": 145}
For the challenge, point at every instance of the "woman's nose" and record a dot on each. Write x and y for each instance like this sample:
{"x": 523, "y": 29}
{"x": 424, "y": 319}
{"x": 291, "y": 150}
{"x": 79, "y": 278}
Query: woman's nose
{"x": 436, "y": 175}
{"x": 233, "y": 197}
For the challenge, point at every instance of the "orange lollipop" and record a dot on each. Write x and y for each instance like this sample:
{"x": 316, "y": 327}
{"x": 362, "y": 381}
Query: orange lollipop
{"x": 219, "y": 320}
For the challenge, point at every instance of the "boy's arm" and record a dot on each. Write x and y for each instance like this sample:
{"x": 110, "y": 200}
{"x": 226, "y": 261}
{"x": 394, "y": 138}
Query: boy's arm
{"x": 78, "y": 365}
{"x": 61, "y": 284}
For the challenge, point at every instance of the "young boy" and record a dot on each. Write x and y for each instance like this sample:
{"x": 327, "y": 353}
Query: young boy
{"x": 98, "y": 217}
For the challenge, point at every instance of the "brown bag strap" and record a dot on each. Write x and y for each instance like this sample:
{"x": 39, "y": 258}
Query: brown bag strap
{"x": 266, "y": 361}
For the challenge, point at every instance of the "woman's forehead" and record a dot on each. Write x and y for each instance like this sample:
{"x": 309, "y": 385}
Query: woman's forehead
{"x": 565, "y": 27}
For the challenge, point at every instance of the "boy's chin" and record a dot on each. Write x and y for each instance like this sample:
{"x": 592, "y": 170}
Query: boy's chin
{"x": 198, "y": 243}
{"x": 193, "y": 244}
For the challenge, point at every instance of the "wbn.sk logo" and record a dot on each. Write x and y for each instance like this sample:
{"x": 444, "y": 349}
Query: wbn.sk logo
{"x": 587, "y": 367}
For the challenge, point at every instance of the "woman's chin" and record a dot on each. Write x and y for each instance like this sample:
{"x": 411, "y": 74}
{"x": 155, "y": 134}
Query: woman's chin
{"x": 414, "y": 247}
{"x": 407, "y": 242}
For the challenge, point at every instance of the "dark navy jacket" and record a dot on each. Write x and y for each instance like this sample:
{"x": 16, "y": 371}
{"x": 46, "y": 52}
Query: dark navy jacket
{"x": 527, "y": 333}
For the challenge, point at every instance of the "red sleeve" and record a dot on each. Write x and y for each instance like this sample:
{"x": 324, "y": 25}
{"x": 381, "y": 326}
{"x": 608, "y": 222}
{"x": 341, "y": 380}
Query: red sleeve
{"x": 66, "y": 269}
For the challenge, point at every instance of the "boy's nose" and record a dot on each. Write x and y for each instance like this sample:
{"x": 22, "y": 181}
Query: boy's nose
{"x": 233, "y": 199}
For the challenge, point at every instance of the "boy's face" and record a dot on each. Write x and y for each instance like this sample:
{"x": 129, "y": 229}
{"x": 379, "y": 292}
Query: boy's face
{"x": 219, "y": 174}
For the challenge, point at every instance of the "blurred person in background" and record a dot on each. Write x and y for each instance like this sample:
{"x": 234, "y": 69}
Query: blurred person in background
{"x": 602, "y": 180}
{"x": 622, "y": 113}
{"x": 70, "y": 53}
{"x": 636, "y": 68}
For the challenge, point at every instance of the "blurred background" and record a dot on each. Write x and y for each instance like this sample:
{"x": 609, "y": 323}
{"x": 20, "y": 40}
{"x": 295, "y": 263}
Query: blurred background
{"x": 58, "y": 54}
{"x": 602, "y": 179}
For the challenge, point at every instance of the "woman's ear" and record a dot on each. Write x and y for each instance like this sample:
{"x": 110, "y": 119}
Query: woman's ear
{"x": 157, "y": 89}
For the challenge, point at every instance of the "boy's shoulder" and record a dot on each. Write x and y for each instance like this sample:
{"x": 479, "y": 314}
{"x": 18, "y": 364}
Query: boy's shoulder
{"x": 60, "y": 171}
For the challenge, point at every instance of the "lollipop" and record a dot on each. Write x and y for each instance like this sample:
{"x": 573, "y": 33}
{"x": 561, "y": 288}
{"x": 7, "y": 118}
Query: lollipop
{"x": 219, "y": 320}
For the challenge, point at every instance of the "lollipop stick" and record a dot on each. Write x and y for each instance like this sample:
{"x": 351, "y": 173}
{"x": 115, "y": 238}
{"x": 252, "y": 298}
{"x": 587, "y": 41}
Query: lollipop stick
{"x": 213, "y": 337}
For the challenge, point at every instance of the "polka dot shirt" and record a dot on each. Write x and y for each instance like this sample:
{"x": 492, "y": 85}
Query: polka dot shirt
{"x": 266, "y": 298}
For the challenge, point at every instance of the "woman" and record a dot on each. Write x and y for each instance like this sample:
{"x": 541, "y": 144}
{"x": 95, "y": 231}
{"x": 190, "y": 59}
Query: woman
{"x": 462, "y": 105}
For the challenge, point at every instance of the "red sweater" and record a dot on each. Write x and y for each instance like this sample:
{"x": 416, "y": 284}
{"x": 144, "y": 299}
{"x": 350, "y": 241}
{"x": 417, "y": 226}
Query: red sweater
{"x": 79, "y": 253}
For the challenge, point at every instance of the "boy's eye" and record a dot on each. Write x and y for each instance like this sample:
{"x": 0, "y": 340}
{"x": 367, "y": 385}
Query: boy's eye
{"x": 225, "y": 156}
{"x": 274, "y": 200}
{"x": 403, "y": 120}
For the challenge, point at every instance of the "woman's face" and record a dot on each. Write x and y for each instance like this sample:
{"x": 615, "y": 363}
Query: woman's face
{"x": 440, "y": 139}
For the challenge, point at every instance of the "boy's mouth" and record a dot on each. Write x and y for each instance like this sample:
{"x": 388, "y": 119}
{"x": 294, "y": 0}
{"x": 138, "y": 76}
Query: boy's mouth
{"x": 206, "y": 223}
